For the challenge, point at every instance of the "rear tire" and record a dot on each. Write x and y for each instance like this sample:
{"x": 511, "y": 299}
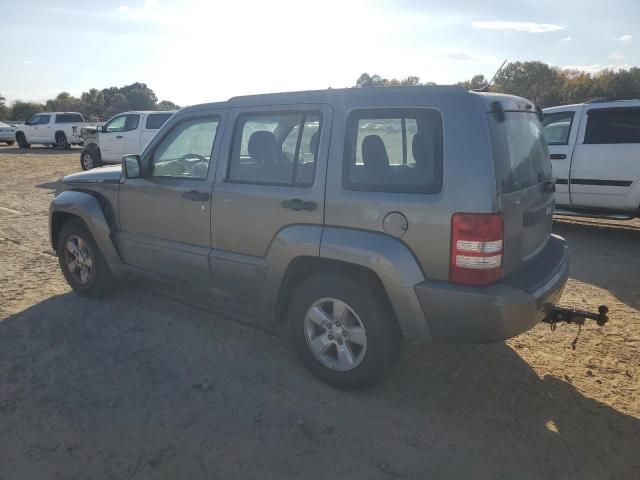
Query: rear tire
{"x": 82, "y": 264}
{"x": 22, "y": 140}
{"x": 61, "y": 142}
{"x": 90, "y": 158}
{"x": 342, "y": 330}
{"x": 10, "y": 142}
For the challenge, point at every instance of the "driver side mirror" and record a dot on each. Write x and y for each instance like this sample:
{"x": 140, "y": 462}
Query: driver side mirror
{"x": 131, "y": 166}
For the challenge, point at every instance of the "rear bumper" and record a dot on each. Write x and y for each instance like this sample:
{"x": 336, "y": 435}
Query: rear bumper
{"x": 458, "y": 313}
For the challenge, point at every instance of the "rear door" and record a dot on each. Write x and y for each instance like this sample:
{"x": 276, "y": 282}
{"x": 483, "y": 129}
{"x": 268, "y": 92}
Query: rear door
{"x": 606, "y": 162}
{"x": 131, "y": 136}
{"x": 560, "y": 131}
{"x": 523, "y": 173}
{"x": 273, "y": 178}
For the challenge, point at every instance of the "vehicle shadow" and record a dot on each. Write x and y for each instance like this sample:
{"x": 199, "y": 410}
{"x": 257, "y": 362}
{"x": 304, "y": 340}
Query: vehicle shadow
{"x": 606, "y": 245}
{"x": 39, "y": 150}
{"x": 137, "y": 384}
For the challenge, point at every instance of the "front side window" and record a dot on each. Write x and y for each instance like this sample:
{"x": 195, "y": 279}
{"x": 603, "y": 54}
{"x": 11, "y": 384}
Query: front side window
{"x": 186, "y": 151}
{"x": 613, "y": 125}
{"x": 275, "y": 148}
{"x": 557, "y": 127}
{"x": 394, "y": 150}
{"x": 116, "y": 124}
{"x": 122, "y": 123}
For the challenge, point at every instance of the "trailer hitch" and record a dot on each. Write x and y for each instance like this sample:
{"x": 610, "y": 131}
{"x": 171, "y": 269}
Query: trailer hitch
{"x": 579, "y": 317}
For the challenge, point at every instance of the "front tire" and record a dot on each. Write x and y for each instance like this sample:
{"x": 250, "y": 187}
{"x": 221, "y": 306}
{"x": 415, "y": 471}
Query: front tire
{"x": 342, "y": 330}
{"x": 90, "y": 158}
{"x": 22, "y": 141}
{"x": 82, "y": 264}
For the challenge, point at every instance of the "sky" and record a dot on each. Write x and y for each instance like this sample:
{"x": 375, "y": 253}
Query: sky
{"x": 196, "y": 51}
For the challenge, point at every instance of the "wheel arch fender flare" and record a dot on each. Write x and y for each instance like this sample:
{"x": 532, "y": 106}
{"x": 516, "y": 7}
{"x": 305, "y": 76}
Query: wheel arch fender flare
{"x": 87, "y": 207}
{"x": 394, "y": 265}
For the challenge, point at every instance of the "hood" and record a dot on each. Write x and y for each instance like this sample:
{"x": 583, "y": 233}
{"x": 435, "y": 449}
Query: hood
{"x": 110, "y": 174}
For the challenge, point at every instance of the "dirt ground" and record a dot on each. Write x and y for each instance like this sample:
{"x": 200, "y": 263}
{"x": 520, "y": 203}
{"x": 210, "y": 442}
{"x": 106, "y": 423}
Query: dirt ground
{"x": 141, "y": 385}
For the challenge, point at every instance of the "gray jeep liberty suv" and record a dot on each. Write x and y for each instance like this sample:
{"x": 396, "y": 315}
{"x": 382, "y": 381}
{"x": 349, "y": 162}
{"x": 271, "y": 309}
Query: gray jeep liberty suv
{"x": 364, "y": 218}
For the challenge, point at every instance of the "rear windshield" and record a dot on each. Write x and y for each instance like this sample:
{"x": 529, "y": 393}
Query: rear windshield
{"x": 520, "y": 153}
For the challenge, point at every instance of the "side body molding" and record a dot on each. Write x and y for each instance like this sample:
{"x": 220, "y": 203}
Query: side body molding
{"x": 88, "y": 208}
{"x": 394, "y": 265}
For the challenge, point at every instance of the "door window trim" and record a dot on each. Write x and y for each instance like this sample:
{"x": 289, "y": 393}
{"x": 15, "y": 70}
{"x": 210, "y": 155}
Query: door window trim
{"x": 303, "y": 112}
{"x": 604, "y": 110}
{"x": 147, "y": 160}
{"x": 350, "y": 148}
{"x": 573, "y": 114}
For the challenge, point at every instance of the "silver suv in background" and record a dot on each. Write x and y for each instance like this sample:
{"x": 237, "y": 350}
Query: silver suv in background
{"x": 364, "y": 218}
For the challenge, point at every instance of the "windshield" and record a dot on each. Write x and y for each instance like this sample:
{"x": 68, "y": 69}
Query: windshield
{"x": 521, "y": 155}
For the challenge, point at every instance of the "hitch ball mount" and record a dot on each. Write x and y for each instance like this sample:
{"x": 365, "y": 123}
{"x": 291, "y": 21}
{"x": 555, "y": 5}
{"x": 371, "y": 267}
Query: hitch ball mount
{"x": 573, "y": 315}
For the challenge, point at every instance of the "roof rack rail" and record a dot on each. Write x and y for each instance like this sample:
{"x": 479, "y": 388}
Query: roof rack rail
{"x": 605, "y": 100}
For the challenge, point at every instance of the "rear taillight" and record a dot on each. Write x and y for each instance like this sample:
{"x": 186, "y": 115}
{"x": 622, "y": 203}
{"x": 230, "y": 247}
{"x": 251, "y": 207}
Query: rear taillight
{"x": 476, "y": 248}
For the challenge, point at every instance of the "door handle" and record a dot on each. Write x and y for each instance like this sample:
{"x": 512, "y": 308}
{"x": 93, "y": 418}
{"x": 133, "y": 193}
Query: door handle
{"x": 557, "y": 156}
{"x": 195, "y": 196}
{"x": 119, "y": 136}
{"x": 296, "y": 205}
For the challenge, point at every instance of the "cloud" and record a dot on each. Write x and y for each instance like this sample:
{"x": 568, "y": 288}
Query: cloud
{"x": 27, "y": 62}
{"x": 616, "y": 56}
{"x": 529, "y": 27}
{"x": 566, "y": 39}
{"x": 625, "y": 38}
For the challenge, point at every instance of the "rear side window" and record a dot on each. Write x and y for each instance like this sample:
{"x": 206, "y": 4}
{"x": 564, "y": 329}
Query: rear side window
{"x": 277, "y": 148}
{"x": 394, "y": 150}
{"x": 69, "y": 118}
{"x": 521, "y": 156}
{"x": 156, "y": 120}
{"x": 613, "y": 125}
{"x": 557, "y": 127}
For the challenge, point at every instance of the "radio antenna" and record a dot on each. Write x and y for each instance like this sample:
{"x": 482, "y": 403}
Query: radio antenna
{"x": 486, "y": 87}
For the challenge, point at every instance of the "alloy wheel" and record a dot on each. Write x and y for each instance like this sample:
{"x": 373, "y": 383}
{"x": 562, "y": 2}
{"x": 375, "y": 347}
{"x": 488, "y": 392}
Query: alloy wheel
{"x": 335, "y": 334}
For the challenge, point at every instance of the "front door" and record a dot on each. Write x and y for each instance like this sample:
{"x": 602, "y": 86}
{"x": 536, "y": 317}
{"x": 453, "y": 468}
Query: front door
{"x": 111, "y": 139}
{"x": 274, "y": 178}
{"x": 560, "y": 132}
{"x": 165, "y": 215}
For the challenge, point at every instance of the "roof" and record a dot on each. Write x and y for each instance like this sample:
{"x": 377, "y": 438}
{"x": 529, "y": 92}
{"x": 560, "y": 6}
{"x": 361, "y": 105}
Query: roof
{"x": 361, "y": 96}
{"x": 598, "y": 103}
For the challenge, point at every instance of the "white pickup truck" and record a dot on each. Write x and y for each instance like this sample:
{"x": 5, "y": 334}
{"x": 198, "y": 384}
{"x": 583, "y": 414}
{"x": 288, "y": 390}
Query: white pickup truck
{"x": 595, "y": 156}
{"x": 61, "y": 129}
{"x": 124, "y": 134}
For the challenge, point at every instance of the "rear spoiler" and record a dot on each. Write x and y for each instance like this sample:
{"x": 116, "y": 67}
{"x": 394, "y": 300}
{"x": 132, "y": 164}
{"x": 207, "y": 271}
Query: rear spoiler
{"x": 498, "y": 110}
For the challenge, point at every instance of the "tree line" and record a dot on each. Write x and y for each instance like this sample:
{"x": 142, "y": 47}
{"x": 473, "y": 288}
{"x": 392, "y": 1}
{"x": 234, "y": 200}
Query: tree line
{"x": 94, "y": 104}
{"x": 543, "y": 84}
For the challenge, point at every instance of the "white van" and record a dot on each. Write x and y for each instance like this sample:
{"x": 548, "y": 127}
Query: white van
{"x": 595, "y": 156}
